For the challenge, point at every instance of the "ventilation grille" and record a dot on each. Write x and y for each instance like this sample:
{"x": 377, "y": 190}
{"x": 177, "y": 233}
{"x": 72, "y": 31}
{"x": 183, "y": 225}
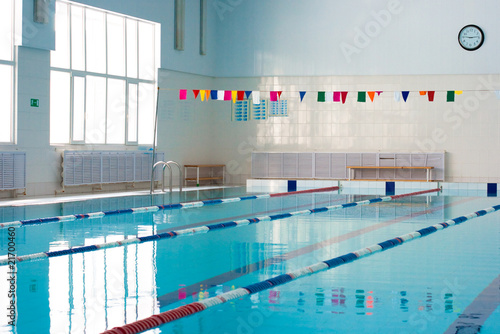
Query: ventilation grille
{"x": 98, "y": 167}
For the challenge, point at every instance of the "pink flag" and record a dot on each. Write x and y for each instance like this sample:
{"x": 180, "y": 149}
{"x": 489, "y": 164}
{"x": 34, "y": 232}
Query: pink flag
{"x": 227, "y": 95}
{"x": 182, "y": 94}
{"x": 274, "y": 96}
{"x": 336, "y": 96}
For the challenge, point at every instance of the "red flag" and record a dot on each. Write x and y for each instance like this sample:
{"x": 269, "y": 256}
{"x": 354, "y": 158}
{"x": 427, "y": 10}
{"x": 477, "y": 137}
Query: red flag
{"x": 279, "y": 94}
{"x": 344, "y": 96}
{"x": 430, "y": 95}
{"x": 241, "y": 95}
{"x": 196, "y": 92}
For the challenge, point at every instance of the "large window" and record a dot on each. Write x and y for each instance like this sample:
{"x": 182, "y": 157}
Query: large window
{"x": 7, "y": 72}
{"x": 103, "y": 77}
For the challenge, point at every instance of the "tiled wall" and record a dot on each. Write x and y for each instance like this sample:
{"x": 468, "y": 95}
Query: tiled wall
{"x": 467, "y": 129}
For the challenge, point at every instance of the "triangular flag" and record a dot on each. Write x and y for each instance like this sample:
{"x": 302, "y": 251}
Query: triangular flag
{"x": 371, "y": 95}
{"x": 202, "y": 94}
{"x": 256, "y": 97}
{"x": 214, "y": 94}
{"x": 450, "y": 96}
{"x": 279, "y": 94}
{"x": 459, "y": 92}
{"x": 227, "y": 95}
{"x": 423, "y": 92}
{"x": 234, "y": 95}
{"x": 397, "y": 96}
{"x": 497, "y": 93}
{"x": 241, "y": 95}
{"x": 329, "y": 96}
{"x": 248, "y": 93}
{"x": 344, "y": 96}
{"x": 379, "y": 92}
{"x": 302, "y": 94}
{"x": 430, "y": 95}
{"x": 405, "y": 95}
{"x": 336, "y": 96}
{"x": 361, "y": 96}
{"x": 273, "y": 96}
{"x": 321, "y": 96}
{"x": 182, "y": 94}
{"x": 196, "y": 92}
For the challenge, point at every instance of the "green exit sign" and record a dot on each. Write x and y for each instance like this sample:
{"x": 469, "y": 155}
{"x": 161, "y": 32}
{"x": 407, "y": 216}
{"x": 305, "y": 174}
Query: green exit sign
{"x": 35, "y": 103}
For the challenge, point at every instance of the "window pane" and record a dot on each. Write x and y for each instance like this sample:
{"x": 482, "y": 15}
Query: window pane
{"x": 95, "y": 107}
{"x": 6, "y": 30}
{"x": 78, "y": 109}
{"x": 116, "y": 112}
{"x": 131, "y": 48}
{"x": 59, "y": 107}
{"x": 132, "y": 113}
{"x": 77, "y": 39}
{"x": 96, "y": 41}
{"x": 146, "y": 113}
{"x": 146, "y": 51}
{"x": 116, "y": 45}
{"x": 5, "y": 103}
{"x": 60, "y": 57}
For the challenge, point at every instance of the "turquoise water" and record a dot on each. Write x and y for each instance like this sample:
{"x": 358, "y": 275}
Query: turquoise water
{"x": 422, "y": 286}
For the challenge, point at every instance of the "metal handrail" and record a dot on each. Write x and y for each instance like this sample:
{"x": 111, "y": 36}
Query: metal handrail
{"x": 165, "y": 165}
{"x": 181, "y": 179}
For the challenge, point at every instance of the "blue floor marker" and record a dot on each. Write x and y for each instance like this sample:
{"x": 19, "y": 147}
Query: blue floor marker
{"x": 390, "y": 188}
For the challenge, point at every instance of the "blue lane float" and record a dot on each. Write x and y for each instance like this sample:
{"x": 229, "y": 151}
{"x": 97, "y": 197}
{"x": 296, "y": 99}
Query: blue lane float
{"x": 208, "y": 228}
{"x": 155, "y": 208}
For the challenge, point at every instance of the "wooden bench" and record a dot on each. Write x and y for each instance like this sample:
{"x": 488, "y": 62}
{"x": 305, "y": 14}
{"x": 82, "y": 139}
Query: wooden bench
{"x": 198, "y": 178}
{"x": 353, "y": 168}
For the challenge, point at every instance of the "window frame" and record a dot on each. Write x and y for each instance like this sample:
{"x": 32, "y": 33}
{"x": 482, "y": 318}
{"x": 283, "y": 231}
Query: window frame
{"x": 137, "y": 80}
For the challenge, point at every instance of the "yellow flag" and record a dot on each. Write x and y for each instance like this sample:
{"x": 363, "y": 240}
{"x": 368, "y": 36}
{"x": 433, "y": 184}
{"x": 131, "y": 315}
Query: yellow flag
{"x": 202, "y": 95}
{"x": 458, "y": 92}
{"x": 234, "y": 94}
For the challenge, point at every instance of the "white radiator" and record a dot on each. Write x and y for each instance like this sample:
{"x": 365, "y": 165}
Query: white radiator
{"x": 12, "y": 170}
{"x": 99, "y": 167}
{"x": 312, "y": 165}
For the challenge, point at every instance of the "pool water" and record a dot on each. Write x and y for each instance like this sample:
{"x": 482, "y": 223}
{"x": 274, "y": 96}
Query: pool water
{"x": 422, "y": 286}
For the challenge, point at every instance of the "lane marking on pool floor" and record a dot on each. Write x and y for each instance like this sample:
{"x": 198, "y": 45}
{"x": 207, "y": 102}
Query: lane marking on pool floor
{"x": 203, "y": 229}
{"x": 195, "y": 307}
{"x": 155, "y": 208}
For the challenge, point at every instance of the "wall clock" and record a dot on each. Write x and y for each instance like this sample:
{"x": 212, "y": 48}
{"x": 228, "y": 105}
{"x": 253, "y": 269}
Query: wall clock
{"x": 471, "y": 37}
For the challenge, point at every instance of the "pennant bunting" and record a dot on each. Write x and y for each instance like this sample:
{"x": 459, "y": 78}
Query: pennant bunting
{"x": 422, "y": 92}
{"x": 241, "y": 95}
{"x": 361, "y": 96}
{"x": 336, "y": 96}
{"x": 274, "y": 96}
{"x": 329, "y": 96}
{"x": 430, "y": 95}
{"x": 450, "y": 96}
{"x": 279, "y": 94}
{"x": 379, "y": 92}
{"x": 302, "y": 94}
{"x": 234, "y": 95}
{"x": 344, "y": 96}
{"x": 182, "y": 94}
{"x": 371, "y": 95}
{"x": 321, "y": 96}
{"x": 397, "y": 96}
{"x": 227, "y": 95}
{"x": 195, "y": 93}
{"x": 214, "y": 94}
{"x": 459, "y": 92}
{"x": 202, "y": 94}
{"x": 256, "y": 97}
{"x": 248, "y": 93}
{"x": 405, "y": 95}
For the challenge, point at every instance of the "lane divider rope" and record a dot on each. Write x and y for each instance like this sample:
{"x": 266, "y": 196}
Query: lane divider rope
{"x": 195, "y": 307}
{"x": 203, "y": 229}
{"x": 155, "y": 208}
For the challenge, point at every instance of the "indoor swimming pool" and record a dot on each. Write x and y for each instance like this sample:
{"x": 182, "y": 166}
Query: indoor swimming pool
{"x": 446, "y": 282}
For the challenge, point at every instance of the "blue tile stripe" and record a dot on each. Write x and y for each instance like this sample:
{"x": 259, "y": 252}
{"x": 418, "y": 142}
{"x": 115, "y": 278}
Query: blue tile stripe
{"x": 208, "y": 228}
{"x": 153, "y": 208}
{"x": 305, "y": 271}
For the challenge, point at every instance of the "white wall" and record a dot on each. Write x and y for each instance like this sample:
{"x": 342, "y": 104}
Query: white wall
{"x": 356, "y": 37}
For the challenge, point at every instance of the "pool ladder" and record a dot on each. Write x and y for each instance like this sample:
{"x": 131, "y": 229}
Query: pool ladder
{"x": 166, "y": 165}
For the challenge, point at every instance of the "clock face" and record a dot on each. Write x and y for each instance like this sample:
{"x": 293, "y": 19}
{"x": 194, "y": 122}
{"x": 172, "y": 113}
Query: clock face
{"x": 471, "y": 37}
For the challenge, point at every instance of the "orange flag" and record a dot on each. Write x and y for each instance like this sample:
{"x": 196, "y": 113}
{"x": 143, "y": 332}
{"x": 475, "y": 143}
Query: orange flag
{"x": 371, "y": 95}
{"x": 423, "y": 92}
